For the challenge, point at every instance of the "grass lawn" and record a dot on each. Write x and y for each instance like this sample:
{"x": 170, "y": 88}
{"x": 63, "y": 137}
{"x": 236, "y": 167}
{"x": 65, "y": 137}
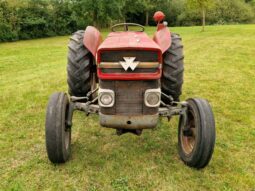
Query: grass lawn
{"x": 219, "y": 66}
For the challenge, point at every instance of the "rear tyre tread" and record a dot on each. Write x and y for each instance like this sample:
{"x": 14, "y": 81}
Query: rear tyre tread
{"x": 80, "y": 62}
{"x": 173, "y": 69}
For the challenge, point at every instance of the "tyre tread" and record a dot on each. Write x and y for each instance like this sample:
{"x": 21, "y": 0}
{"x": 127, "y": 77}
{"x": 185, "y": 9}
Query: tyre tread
{"x": 173, "y": 69}
{"x": 54, "y": 134}
{"x": 203, "y": 150}
{"x": 78, "y": 66}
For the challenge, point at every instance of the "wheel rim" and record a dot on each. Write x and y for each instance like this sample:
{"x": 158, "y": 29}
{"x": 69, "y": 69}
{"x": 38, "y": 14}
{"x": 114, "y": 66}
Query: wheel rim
{"x": 188, "y": 134}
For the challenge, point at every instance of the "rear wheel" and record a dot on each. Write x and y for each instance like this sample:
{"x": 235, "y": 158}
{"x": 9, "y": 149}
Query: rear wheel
{"x": 80, "y": 67}
{"x": 172, "y": 76}
{"x": 58, "y": 134}
{"x": 196, "y": 135}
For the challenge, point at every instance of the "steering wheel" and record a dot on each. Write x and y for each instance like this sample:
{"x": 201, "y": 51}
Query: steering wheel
{"x": 126, "y": 25}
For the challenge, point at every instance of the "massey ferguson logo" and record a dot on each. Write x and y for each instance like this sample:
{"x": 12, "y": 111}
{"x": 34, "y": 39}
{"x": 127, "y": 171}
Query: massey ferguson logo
{"x": 129, "y": 63}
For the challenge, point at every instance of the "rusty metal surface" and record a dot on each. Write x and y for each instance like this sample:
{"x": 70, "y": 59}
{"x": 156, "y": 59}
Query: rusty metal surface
{"x": 129, "y": 97}
{"x": 129, "y": 122}
{"x": 140, "y": 55}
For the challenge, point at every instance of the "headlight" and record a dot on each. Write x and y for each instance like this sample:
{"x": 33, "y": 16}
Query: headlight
{"x": 106, "y": 98}
{"x": 152, "y": 97}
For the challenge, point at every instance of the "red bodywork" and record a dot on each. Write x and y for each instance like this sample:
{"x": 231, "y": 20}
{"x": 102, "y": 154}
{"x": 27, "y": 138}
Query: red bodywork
{"x": 159, "y": 16}
{"x": 128, "y": 41}
{"x": 92, "y": 39}
{"x": 163, "y": 38}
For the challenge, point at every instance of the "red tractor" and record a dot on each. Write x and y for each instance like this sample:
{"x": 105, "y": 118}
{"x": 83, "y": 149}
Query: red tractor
{"x": 129, "y": 80}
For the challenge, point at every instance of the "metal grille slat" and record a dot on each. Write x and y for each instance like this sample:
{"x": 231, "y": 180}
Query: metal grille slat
{"x": 129, "y": 97}
{"x": 140, "y": 55}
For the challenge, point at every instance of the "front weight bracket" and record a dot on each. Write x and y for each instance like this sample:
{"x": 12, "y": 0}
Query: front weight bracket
{"x": 184, "y": 114}
{"x": 70, "y": 114}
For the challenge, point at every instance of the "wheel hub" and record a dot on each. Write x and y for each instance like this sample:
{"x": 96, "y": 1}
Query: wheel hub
{"x": 188, "y": 134}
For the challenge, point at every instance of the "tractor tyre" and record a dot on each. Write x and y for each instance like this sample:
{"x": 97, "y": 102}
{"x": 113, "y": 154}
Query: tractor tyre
{"x": 173, "y": 68}
{"x": 80, "y": 67}
{"x": 196, "y": 135}
{"x": 57, "y": 133}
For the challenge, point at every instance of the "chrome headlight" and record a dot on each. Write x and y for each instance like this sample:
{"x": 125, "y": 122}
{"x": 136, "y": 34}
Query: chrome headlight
{"x": 106, "y": 97}
{"x": 152, "y": 97}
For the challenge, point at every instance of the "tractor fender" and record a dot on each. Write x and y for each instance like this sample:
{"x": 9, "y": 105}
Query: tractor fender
{"x": 92, "y": 39}
{"x": 163, "y": 38}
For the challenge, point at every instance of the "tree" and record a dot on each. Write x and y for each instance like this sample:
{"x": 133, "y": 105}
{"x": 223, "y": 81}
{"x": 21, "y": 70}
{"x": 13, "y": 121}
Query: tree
{"x": 148, "y": 5}
{"x": 234, "y": 11}
{"x": 131, "y": 8}
{"x": 8, "y": 22}
{"x": 101, "y": 12}
{"x": 203, "y": 6}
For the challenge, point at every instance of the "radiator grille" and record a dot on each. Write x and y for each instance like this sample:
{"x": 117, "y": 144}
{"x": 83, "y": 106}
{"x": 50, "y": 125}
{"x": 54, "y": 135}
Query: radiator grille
{"x": 129, "y": 97}
{"x": 140, "y": 55}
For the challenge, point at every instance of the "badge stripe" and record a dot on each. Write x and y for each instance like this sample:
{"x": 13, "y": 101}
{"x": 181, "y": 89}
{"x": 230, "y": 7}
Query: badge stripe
{"x": 129, "y": 63}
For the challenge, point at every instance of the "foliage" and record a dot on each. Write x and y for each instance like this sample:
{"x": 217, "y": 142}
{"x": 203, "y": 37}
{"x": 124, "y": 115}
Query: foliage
{"x": 28, "y": 19}
{"x": 234, "y": 11}
{"x": 202, "y": 6}
{"x": 101, "y": 13}
{"x": 222, "y": 12}
{"x": 34, "y": 20}
{"x": 8, "y": 21}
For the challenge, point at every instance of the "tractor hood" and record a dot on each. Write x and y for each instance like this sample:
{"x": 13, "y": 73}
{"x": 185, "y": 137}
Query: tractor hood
{"x": 119, "y": 46}
{"x": 128, "y": 41}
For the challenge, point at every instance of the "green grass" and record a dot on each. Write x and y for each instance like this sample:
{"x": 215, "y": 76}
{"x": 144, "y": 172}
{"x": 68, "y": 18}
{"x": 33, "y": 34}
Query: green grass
{"x": 219, "y": 66}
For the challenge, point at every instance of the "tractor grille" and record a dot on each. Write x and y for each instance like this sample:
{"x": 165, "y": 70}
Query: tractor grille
{"x": 110, "y": 61}
{"x": 117, "y": 55}
{"x": 129, "y": 97}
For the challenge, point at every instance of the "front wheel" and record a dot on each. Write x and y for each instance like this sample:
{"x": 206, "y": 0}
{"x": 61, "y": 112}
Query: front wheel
{"x": 58, "y": 134}
{"x": 196, "y": 134}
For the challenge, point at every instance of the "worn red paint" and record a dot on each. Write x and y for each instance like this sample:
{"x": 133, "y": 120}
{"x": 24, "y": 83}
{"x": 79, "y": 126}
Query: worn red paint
{"x": 129, "y": 41}
{"x": 92, "y": 39}
{"x": 163, "y": 38}
{"x": 130, "y": 76}
{"x": 159, "y": 16}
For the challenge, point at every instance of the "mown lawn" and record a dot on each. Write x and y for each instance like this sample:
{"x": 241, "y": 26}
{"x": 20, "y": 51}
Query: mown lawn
{"x": 219, "y": 66}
